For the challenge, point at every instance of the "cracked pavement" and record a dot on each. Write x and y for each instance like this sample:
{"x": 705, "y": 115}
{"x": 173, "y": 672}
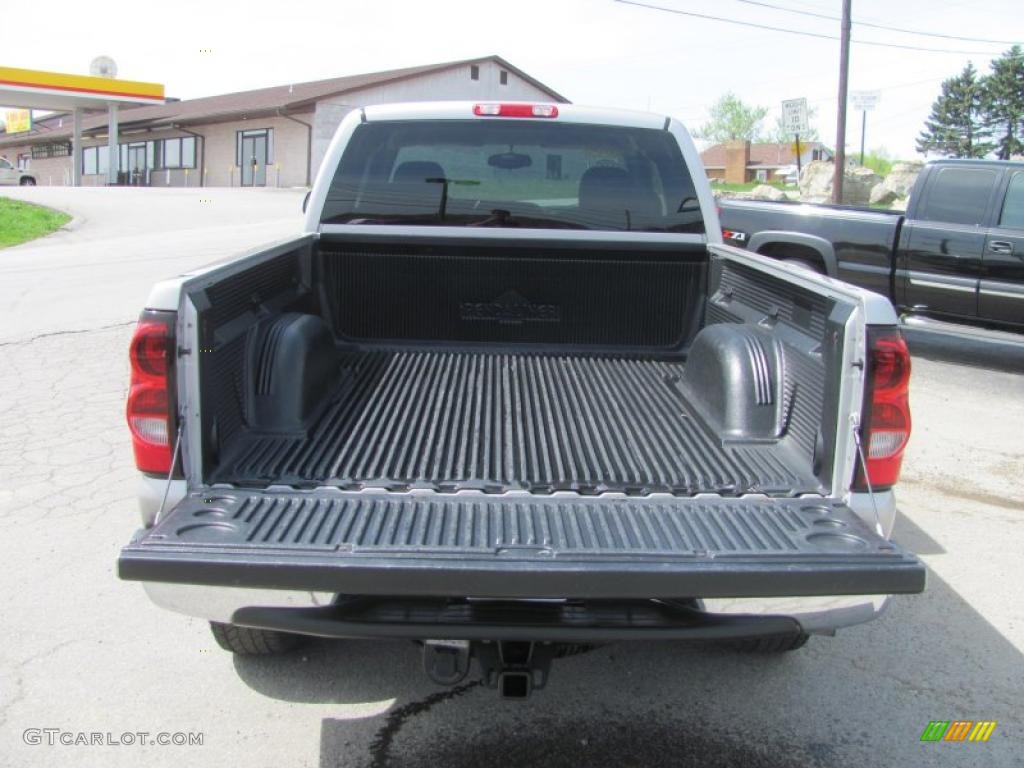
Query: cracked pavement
{"x": 83, "y": 651}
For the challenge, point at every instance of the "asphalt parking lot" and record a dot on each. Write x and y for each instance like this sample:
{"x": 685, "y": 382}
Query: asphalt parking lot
{"x": 83, "y": 651}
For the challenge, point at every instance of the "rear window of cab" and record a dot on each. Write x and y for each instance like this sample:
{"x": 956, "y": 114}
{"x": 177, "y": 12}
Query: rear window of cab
{"x": 514, "y": 173}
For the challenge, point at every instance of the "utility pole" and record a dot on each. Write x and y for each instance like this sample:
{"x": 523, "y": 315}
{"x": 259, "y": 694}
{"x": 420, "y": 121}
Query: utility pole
{"x": 863, "y": 132}
{"x": 844, "y": 73}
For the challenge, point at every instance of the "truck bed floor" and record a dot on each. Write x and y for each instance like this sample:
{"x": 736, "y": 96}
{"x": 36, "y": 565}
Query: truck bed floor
{"x": 454, "y": 420}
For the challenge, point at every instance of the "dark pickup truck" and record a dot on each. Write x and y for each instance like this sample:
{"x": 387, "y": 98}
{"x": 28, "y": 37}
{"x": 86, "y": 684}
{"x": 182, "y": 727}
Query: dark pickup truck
{"x": 956, "y": 254}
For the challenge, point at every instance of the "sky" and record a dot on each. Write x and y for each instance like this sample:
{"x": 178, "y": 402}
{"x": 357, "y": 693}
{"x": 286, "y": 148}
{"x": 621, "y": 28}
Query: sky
{"x": 600, "y": 52}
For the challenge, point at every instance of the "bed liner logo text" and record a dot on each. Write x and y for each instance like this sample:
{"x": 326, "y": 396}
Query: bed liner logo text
{"x": 510, "y": 307}
{"x": 958, "y": 730}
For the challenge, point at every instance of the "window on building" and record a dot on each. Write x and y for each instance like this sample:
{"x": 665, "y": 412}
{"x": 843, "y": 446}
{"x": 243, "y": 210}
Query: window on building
{"x": 172, "y": 153}
{"x": 474, "y": 72}
{"x": 188, "y": 152}
{"x": 95, "y": 160}
{"x": 89, "y": 161}
{"x": 59, "y": 149}
{"x": 504, "y": 77}
{"x": 23, "y": 161}
{"x": 762, "y": 175}
{"x": 258, "y": 144}
{"x": 158, "y": 154}
{"x": 959, "y": 195}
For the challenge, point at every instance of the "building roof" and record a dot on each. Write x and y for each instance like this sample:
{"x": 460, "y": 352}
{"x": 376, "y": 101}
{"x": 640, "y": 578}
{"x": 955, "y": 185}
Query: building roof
{"x": 762, "y": 155}
{"x": 295, "y": 97}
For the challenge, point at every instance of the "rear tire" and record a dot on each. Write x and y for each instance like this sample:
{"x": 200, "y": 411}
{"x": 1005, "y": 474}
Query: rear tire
{"x": 769, "y": 644}
{"x": 27, "y": 181}
{"x": 253, "y": 642}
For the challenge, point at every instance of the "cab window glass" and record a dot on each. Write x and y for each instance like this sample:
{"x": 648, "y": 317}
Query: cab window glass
{"x": 959, "y": 195}
{"x": 1013, "y": 207}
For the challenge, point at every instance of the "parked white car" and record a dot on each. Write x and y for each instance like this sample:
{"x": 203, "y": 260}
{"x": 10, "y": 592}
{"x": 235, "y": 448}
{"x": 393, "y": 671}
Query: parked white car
{"x": 11, "y": 175}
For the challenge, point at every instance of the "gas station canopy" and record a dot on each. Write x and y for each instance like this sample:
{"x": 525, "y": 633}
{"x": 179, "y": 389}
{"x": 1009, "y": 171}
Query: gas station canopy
{"x": 33, "y": 89}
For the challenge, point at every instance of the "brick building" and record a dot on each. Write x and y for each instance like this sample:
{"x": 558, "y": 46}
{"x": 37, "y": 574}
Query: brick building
{"x": 739, "y": 162}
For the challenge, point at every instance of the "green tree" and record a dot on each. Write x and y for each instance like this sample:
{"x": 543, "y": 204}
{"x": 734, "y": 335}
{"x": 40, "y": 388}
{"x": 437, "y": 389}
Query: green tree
{"x": 878, "y": 160}
{"x": 1004, "y": 103}
{"x": 958, "y": 124}
{"x": 731, "y": 119}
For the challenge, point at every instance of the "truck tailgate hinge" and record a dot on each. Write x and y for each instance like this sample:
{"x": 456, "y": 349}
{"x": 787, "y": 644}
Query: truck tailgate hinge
{"x": 855, "y": 423}
{"x": 170, "y": 474}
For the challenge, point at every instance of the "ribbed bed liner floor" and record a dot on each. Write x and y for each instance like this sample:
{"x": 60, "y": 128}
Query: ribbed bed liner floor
{"x": 494, "y": 422}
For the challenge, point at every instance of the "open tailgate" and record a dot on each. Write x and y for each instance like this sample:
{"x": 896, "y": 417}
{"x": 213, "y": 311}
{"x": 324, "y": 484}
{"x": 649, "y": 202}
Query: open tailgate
{"x": 365, "y": 543}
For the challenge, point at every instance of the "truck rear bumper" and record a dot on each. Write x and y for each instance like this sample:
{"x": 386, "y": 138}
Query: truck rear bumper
{"x": 822, "y": 614}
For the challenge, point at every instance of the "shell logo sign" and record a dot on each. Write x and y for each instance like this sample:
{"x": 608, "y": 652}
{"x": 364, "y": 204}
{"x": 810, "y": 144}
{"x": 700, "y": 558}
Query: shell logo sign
{"x": 36, "y": 82}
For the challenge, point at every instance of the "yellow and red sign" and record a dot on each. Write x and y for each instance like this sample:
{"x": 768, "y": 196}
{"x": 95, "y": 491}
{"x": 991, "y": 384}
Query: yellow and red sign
{"x": 18, "y": 120}
{"x": 31, "y": 80}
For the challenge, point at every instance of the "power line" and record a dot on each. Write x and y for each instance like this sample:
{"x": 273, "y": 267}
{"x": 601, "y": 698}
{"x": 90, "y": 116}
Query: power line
{"x": 801, "y": 32}
{"x": 879, "y": 26}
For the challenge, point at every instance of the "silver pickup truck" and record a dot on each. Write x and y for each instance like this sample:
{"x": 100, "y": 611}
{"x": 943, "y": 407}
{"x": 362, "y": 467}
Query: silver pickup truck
{"x": 510, "y": 396}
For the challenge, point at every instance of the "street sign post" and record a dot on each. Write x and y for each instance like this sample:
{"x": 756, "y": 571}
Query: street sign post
{"x": 865, "y": 101}
{"x": 794, "y": 120}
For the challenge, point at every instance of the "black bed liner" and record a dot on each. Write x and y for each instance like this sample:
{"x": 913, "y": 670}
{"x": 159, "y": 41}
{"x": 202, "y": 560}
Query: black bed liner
{"x": 457, "y": 420}
{"x": 518, "y": 546}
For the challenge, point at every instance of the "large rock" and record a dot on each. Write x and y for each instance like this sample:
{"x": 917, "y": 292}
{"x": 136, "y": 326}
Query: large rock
{"x": 857, "y": 185}
{"x": 897, "y": 185}
{"x": 882, "y": 196}
{"x": 760, "y": 192}
{"x": 767, "y": 192}
{"x": 816, "y": 184}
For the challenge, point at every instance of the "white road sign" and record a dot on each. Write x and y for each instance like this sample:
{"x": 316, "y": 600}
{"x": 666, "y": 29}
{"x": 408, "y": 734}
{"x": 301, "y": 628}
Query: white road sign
{"x": 794, "y": 115}
{"x": 865, "y": 101}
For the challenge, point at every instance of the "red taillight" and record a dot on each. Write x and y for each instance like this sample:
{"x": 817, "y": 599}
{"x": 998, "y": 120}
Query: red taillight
{"x": 149, "y": 411}
{"x": 886, "y": 416}
{"x": 515, "y": 110}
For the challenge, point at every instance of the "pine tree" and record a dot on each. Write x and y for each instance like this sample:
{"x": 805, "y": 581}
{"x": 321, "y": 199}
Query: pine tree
{"x": 958, "y": 124}
{"x": 1004, "y": 103}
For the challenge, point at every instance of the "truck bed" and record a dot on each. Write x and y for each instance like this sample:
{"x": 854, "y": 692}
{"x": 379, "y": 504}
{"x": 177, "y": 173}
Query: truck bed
{"x": 539, "y": 367}
{"x": 452, "y": 420}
